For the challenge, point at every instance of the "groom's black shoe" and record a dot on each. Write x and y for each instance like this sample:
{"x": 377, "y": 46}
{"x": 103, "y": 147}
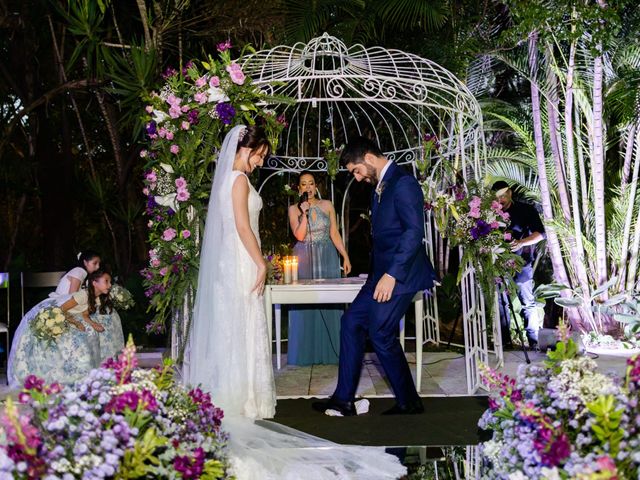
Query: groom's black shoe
{"x": 414, "y": 408}
{"x": 347, "y": 409}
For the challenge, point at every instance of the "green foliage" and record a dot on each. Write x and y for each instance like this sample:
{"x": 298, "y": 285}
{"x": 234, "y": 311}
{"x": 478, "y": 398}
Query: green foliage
{"x": 140, "y": 462}
{"x": 567, "y": 350}
{"x": 566, "y": 20}
{"x": 607, "y": 424}
{"x": 332, "y": 157}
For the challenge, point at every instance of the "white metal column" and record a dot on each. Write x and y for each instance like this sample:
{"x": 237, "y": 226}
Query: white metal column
{"x": 475, "y": 329}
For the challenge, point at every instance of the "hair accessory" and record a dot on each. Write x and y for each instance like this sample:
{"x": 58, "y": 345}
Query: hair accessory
{"x": 79, "y": 255}
{"x": 241, "y": 134}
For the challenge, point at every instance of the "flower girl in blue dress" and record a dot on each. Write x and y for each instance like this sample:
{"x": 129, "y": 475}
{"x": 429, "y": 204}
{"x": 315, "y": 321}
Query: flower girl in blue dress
{"x": 57, "y": 339}
{"x": 112, "y": 339}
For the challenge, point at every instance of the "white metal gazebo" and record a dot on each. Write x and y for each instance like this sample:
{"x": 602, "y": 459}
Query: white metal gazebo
{"x": 393, "y": 97}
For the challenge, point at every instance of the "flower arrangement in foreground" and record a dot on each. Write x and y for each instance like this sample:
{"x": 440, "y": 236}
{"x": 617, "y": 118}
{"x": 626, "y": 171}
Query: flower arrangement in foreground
{"x": 49, "y": 324}
{"x": 563, "y": 420}
{"x": 471, "y": 217}
{"x": 185, "y": 124}
{"x": 119, "y": 422}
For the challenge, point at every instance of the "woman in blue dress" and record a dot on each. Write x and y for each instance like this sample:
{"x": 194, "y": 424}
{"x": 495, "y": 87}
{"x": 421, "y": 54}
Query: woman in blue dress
{"x": 314, "y": 332}
{"x": 72, "y": 355}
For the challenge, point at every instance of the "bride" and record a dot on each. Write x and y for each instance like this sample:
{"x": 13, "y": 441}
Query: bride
{"x": 228, "y": 352}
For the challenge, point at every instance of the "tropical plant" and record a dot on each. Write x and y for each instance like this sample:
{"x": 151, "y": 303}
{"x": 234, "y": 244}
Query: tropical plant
{"x": 575, "y": 139}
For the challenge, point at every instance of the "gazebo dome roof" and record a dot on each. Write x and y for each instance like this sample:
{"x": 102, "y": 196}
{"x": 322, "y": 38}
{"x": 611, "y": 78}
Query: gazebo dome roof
{"x": 341, "y": 91}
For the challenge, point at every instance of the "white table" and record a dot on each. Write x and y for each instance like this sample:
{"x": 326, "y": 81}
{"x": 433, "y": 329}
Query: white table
{"x": 337, "y": 290}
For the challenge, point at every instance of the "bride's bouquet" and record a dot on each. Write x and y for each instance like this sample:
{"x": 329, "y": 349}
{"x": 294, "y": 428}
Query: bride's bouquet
{"x": 49, "y": 324}
{"x": 121, "y": 297}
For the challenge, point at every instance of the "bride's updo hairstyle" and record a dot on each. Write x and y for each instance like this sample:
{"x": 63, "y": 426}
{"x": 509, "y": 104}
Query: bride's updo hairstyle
{"x": 255, "y": 138}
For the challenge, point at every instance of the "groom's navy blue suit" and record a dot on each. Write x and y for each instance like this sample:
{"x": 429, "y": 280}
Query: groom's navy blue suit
{"x": 397, "y": 222}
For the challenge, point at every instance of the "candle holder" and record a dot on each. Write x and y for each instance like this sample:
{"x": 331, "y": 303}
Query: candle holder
{"x": 287, "y": 270}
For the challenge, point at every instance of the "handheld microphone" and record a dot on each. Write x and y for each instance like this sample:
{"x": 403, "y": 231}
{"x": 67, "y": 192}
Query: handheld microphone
{"x": 303, "y": 198}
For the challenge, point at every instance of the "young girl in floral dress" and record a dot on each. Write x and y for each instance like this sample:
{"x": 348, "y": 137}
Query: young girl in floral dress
{"x": 71, "y": 355}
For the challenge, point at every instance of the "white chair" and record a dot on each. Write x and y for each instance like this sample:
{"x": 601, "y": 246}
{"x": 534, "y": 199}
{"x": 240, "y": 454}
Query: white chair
{"x": 38, "y": 280}
{"x": 4, "y": 327}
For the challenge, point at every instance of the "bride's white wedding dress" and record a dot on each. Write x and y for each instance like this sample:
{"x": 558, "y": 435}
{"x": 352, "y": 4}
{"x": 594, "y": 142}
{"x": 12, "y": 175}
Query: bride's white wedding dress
{"x": 228, "y": 354}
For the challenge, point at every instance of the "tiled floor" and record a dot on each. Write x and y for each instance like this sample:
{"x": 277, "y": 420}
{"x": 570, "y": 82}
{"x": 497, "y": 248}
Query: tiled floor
{"x": 443, "y": 374}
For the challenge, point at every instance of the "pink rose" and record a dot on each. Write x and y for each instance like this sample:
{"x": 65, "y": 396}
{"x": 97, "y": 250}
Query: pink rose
{"x": 235, "y": 72}
{"x": 182, "y": 195}
{"x": 184, "y": 108}
{"x": 474, "y": 212}
{"x": 200, "y": 97}
{"x": 143, "y": 153}
{"x": 174, "y": 101}
{"x": 214, "y": 82}
{"x": 475, "y": 202}
{"x": 150, "y": 224}
{"x": 175, "y": 149}
{"x": 186, "y": 234}
{"x": 185, "y": 125}
{"x": 163, "y": 271}
{"x": 145, "y": 191}
{"x": 175, "y": 112}
{"x": 181, "y": 183}
{"x": 494, "y": 225}
{"x": 149, "y": 108}
{"x": 201, "y": 82}
{"x": 507, "y": 237}
{"x": 169, "y": 135}
{"x": 162, "y": 132}
{"x": 495, "y": 205}
{"x": 155, "y": 263}
{"x": 169, "y": 234}
{"x": 151, "y": 177}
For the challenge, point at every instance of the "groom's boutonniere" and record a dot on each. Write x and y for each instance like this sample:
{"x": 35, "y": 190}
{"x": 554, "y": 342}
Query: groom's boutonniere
{"x": 379, "y": 190}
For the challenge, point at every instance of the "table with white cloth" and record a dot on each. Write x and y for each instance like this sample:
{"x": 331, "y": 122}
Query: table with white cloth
{"x": 334, "y": 290}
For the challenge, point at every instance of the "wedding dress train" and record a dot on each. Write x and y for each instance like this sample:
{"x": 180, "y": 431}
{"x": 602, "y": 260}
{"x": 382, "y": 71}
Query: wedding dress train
{"x": 228, "y": 354}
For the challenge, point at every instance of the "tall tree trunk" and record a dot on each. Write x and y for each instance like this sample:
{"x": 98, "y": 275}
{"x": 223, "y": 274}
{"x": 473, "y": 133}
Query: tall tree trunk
{"x": 584, "y": 181}
{"x": 597, "y": 175}
{"x": 556, "y": 145}
{"x": 630, "y": 135}
{"x": 577, "y": 247}
{"x": 626, "y": 234}
{"x": 559, "y": 271}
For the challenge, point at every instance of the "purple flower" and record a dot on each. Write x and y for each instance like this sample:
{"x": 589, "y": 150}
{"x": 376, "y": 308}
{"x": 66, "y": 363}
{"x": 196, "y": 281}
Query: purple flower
{"x": 170, "y": 212}
{"x": 225, "y": 112}
{"x": 481, "y": 229}
{"x": 151, "y": 128}
{"x": 192, "y": 116}
{"x": 33, "y": 383}
{"x": 224, "y": 46}
{"x": 186, "y": 68}
{"x": 169, "y": 72}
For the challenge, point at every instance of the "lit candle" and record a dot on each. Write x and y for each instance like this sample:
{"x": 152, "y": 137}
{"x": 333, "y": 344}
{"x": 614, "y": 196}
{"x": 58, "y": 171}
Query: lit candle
{"x": 294, "y": 269}
{"x": 287, "y": 270}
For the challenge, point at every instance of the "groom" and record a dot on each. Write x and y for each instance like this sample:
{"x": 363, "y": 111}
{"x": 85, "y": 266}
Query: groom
{"x": 399, "y": 268}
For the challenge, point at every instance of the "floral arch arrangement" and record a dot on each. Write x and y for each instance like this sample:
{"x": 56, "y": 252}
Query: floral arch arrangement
{"x": 185, "y": 123}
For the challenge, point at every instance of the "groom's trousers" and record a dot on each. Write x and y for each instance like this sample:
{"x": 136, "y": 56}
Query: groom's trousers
{"x": 381, "y": 321}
